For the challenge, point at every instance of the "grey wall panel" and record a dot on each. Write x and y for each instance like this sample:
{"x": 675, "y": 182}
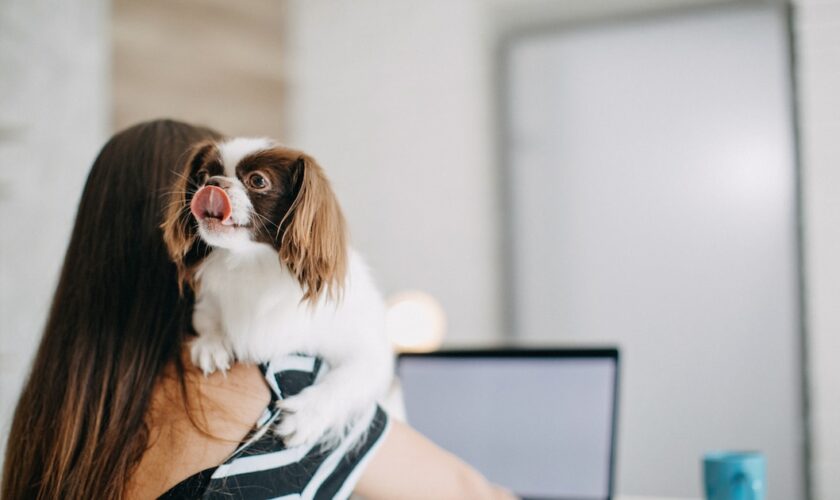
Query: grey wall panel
{"x": 651, "y": 174}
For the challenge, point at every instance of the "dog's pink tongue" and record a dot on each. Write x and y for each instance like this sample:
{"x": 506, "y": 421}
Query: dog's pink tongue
{"x": 211, "y": 201}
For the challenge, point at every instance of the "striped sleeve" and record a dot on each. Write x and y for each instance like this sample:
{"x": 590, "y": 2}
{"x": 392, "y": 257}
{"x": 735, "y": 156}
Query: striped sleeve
{"x": 268, "y": 470}
{"x": 340, "y": 471}
{"x": 264, "y": 468}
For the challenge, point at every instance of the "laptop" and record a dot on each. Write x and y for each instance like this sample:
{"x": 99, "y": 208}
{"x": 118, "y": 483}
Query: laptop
{"x": 540, "y": 422}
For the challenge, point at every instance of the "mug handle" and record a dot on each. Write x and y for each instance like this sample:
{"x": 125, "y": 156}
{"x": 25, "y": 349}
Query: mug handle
{"x": 746, "y": 481}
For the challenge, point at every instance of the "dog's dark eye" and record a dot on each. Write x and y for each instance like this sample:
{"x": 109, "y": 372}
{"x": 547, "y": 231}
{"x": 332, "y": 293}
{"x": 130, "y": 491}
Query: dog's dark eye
{"x": 257, "y": 181}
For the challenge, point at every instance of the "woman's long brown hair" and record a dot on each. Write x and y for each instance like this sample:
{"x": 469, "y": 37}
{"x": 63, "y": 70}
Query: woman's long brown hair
{"x": 116, "y": 321}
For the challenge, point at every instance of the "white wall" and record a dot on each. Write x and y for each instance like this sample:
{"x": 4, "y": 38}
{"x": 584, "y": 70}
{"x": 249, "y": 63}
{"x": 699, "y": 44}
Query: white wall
{"x": 818, "y": 42}
{"x": 352, "y": 65}
{"x": 350, "y": 68}
{"x": 53, "y": 108}
{"x": 392, "y": 98}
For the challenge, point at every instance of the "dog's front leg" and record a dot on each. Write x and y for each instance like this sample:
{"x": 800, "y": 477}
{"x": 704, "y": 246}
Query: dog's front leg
{"x": 211, "y": 350}
{"x": 323, "y": 412}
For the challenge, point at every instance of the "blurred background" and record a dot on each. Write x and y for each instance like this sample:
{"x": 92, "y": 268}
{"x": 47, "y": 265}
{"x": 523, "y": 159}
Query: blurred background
{"x": 656, "y": 174}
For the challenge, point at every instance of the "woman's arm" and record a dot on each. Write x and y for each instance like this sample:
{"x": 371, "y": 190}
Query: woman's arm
{"x": 409, "y": 466}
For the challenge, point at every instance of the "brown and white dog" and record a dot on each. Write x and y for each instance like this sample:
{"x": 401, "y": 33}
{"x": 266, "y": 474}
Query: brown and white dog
{"x": 256, "y": 230}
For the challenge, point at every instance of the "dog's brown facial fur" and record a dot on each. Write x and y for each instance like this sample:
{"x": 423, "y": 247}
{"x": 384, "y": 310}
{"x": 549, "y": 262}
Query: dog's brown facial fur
{"x": 297, "y": 214}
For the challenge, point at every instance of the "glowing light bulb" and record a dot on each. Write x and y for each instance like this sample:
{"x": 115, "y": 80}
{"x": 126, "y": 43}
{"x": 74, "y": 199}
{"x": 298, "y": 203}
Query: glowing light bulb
{"x": 415, "y": 322}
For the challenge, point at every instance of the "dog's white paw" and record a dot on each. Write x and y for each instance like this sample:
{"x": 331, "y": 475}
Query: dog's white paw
{"x": 306, "y": 418}
{"x": 210, "y": 353}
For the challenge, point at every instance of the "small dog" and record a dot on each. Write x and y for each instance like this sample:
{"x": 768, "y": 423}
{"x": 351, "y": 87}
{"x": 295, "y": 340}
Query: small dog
{"x": 256, "y": 230}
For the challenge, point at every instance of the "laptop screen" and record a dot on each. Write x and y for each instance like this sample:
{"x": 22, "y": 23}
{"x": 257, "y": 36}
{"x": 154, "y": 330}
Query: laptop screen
{"x": 540, "y": 423}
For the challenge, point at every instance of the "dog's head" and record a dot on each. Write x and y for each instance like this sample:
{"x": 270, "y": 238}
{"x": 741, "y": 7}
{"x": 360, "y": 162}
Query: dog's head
{"x": 243, "y": 193}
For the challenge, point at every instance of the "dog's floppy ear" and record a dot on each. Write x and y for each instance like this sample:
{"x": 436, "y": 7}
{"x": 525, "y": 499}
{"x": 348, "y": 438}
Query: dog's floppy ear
{"x": 179, "y": 231}
{"x": 314, "y": 242}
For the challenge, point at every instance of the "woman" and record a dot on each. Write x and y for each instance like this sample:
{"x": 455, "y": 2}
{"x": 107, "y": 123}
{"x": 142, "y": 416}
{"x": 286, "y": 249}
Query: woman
{"x": 113, "y": 408}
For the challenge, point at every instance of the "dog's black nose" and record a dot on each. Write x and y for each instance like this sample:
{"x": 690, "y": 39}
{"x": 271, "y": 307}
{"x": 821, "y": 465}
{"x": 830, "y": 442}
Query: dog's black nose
{"x": 218, "y": 182}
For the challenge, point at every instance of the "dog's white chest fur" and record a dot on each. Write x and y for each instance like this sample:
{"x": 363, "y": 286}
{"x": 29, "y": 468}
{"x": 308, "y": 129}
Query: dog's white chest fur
{"x": 248, "y": 308}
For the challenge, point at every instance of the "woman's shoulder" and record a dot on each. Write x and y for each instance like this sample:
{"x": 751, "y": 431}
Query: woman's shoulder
{"x": 198, "y": 425}
{"x": 263, "y": 463}
{"x": 266, "y": 465}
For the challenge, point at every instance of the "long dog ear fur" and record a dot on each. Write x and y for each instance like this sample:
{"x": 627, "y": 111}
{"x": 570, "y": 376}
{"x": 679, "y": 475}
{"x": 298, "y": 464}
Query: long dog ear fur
{"x": 314, "y": 244}
{"x": 179, "y": 231}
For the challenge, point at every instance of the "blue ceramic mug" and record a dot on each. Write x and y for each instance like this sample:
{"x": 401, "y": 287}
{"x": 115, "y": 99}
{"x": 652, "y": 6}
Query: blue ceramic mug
{"x": 734, "y": 475}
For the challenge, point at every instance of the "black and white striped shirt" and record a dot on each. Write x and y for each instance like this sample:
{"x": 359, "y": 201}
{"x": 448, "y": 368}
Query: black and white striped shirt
{"x": 262, "y": 468}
